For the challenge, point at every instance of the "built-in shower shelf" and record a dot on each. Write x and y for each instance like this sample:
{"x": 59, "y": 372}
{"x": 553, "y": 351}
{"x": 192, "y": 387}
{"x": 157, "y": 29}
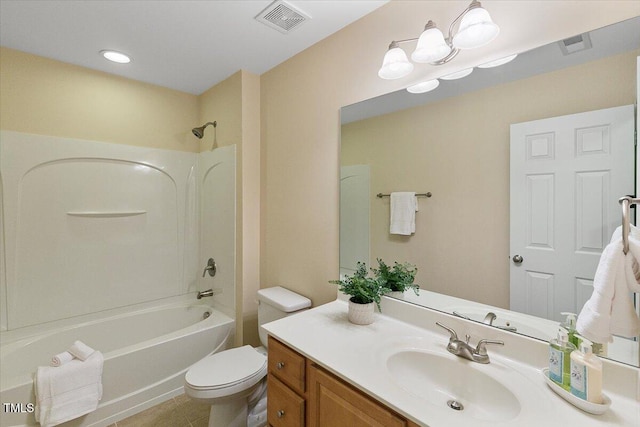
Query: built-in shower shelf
{"x": 105, "y": 214}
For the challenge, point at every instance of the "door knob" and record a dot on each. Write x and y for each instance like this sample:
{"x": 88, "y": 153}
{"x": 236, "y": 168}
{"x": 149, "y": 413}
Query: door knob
{"x": 517, "y": 259}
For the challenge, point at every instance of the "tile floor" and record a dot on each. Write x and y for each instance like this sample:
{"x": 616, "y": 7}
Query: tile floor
{"x": 179, "y": 411}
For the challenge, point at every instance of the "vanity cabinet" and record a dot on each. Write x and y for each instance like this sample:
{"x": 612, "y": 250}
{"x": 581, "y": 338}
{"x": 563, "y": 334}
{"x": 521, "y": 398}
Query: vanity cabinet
{"x": 302, "y": 393}
{"x": 286, "y": 386}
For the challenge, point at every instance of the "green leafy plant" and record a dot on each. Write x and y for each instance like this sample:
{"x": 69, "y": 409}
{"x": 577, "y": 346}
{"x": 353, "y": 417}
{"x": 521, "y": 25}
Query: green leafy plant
{"x": 399, "y": 278}
{"x": 361, "y": 288}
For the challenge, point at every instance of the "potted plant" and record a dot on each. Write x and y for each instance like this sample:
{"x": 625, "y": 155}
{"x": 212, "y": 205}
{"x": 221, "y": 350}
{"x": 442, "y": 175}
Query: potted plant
{"x": 398, "y": 278}
{"x": 364, "y": 291}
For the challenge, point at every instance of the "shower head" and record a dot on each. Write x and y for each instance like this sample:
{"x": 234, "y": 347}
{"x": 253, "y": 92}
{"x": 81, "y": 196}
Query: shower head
{"x": 199, "y": 131}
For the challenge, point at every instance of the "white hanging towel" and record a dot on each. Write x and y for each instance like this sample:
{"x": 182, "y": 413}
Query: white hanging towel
{"x": 403, "y": 209}
{"x": 610, "y": 309}
{"x": 68, "y": 391}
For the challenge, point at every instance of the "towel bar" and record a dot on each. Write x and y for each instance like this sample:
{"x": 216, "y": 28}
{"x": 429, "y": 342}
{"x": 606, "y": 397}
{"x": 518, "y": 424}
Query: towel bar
{"x": 380, "y": 195}
{"x": 626, "y": 203}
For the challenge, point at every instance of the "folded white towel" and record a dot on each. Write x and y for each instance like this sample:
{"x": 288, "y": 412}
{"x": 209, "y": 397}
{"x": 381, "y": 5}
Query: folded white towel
{"x": 81, "y": 350}
{"x": 69, "y": 391}
{"x": 610, "y": 309}
{"x": 403, "y": 213}
{"x": 61, "y": 358}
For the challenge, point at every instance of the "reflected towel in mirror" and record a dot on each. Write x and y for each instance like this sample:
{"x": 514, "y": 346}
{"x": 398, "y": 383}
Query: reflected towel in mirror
{"x": 404, "y": 205}
{"x": 610, "y": 309}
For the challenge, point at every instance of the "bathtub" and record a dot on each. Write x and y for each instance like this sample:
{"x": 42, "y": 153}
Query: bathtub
{"x": 147, "y": 352}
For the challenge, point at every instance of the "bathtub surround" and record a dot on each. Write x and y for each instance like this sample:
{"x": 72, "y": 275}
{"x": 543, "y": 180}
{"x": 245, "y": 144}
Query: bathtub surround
{"x": 129, "y": 218}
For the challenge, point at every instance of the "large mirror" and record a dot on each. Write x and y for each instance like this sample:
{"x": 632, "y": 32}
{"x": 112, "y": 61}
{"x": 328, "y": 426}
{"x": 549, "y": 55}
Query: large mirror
{"x": 454, "y": 142}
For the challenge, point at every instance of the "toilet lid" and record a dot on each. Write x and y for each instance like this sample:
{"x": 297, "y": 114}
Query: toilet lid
{"x": 226, "y": 368}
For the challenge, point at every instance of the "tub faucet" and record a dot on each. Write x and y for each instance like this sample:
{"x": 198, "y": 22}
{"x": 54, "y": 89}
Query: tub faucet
{"x": 491, "y": 316}
{"x": 463, "y": 349}
{"x": 208, "y": 293}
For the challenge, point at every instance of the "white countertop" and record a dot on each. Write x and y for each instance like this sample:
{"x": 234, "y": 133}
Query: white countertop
{"x": 358, "y": 355}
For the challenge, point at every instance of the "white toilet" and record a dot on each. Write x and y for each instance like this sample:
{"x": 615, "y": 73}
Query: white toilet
{"x": 233, "y": 381}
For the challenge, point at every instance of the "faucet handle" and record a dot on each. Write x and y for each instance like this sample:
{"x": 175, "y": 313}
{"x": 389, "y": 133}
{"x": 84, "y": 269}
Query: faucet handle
{"x": 454, "y": 336}
{"x": 481, "y": 347}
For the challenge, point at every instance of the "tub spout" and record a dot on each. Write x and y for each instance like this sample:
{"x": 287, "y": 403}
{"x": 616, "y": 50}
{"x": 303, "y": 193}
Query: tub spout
{"x": 208, "y": 293}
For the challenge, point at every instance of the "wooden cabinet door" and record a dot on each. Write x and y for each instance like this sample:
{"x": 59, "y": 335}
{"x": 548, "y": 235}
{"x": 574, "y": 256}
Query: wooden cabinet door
{"x": 284, "y": 407}
{"x": 332, "y": 403}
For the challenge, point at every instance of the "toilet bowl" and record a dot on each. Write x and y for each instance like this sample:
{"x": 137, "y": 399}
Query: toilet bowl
{"x": 234, "y": 381}
{"x": 225, "y": 380}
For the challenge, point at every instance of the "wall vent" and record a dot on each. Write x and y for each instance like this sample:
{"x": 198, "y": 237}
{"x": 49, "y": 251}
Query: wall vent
{"x": 575, "y": 44}
{"x": 281, "y": 16}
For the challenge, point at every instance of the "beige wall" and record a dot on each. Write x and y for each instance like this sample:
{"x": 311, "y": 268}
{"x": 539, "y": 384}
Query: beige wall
{"x": 301, "y": 99}
{"x": 458, "y": 149}
{"x": 235, "y": 105}
{"x": 250, "y": 154}
{"x": 47, "y": 97}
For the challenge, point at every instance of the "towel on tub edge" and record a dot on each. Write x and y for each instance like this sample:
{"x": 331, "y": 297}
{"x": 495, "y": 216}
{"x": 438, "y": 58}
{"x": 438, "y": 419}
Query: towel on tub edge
{"x": 68, "y": 391}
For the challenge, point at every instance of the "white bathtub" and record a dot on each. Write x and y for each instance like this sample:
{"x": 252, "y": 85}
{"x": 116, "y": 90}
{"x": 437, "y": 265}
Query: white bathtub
{"x": 146, "y": 351}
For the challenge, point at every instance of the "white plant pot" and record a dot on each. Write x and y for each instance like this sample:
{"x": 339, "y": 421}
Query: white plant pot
{"x": 361, "y": 314}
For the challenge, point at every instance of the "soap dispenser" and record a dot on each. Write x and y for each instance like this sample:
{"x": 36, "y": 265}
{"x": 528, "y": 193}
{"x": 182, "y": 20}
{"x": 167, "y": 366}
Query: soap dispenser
{"x": 559, "y": 359}
{"x": 586, "y": 373}
{"x": 570, "y": 326}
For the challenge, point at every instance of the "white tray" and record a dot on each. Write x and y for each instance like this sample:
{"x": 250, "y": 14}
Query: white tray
{"x": 592, "y": 408}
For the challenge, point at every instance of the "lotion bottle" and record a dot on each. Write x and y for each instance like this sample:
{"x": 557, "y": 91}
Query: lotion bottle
{"x": 586, "y": 373}
{"x": 560, "y": 359}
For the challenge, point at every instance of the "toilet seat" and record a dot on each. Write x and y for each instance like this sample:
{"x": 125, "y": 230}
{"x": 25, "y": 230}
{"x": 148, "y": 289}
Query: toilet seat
{"x": 226, "y": 373}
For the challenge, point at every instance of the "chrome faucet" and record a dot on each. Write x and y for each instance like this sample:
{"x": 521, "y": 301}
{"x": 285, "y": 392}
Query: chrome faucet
{"x": 491, "y": 316}
{"x": 211, "y": 267}
{"x": 463, "y": 349}
{"x": 208, "y": 293}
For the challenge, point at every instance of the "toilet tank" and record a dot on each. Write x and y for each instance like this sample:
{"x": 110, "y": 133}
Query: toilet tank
{"x": 275, "y": 303}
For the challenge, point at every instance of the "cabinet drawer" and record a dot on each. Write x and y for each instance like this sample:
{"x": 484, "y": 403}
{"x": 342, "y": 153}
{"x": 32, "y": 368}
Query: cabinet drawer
{"x": 287, "y": 365}
{"x": 284, "y": 407}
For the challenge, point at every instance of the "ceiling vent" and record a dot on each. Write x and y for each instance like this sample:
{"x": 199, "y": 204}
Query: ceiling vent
{"x": 575, "y": 44}
{"x": 281, "y": 16}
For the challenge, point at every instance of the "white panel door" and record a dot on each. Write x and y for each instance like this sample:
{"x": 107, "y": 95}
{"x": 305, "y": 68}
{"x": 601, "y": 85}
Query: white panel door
{"x": 567, "y": 174}
{"x": 354, "y": 216}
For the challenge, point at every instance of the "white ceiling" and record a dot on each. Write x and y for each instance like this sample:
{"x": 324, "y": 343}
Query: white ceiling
{"x": 180, "y": 44}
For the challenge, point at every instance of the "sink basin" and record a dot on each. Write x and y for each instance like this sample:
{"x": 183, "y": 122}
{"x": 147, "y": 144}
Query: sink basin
{"x": 461, "y": 385}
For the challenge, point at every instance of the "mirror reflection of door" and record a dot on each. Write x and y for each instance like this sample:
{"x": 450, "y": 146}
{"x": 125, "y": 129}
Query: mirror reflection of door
{"x": 567, "y": 174}
{"x": 354, "y": 216}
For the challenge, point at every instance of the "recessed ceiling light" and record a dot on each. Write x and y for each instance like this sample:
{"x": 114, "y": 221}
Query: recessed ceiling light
{"x": 114, "y": 56}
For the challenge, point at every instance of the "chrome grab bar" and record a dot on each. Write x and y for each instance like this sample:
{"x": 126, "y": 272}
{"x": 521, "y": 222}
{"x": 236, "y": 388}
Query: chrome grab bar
{"x": 626, "y": 203}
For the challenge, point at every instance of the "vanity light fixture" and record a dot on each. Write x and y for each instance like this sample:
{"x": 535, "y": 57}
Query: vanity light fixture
{"x": 424, "y": 87}
{"x": 498, "y": 62}
{"x": 115, "y": 56}
{"x": 458, "y": 75}
{"x": 475, "y": 29}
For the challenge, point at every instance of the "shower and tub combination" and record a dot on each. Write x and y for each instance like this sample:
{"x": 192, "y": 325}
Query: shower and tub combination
{"x": 105, "y": 243}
